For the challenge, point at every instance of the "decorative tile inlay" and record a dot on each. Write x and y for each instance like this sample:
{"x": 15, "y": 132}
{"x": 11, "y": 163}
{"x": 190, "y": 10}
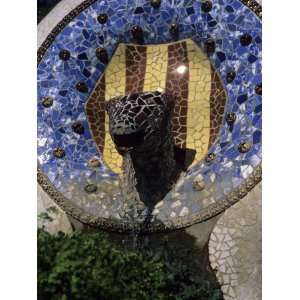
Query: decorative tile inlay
{"x": 95, "y": 112}
{"x": 78, "y": 128}
{"x": 146, "y": 70}
{"x": 82, "y": 87}
{"x": 177, "y": 86}
{"x": 199, "y": 183}
{"x": 258, "y": 89}
{"x": 246, "y": 39}
{"x": 210, "y": 157}
{"x": 47, "y": 101}
{"x": 230, "y": 76}
{"x": 244, "y": 147}
{"x": 90, "y": 188}
{"x": 102, "y": 18}
{"x": 137, "y": 34}
{"x": 59, "y": 152}
{"x": 230, "y": 117}
{"x": 174, "y": 30}
{"x": 206, "y": 6}
{"x": 94, "y": 162}
{"x": 210, "y": 46}
{"x": 64, "y": 55}
{"x": 82, "y": 84}
{"x": 136, "y": 57}
{"x": 217, "y": 106}
{"x": 155, "y": 3}
{"x": 200, "y": 99}
{"x": 102, "y": 55}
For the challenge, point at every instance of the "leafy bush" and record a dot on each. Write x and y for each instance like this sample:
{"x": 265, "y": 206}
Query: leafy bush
{"x": 88, "y": 266}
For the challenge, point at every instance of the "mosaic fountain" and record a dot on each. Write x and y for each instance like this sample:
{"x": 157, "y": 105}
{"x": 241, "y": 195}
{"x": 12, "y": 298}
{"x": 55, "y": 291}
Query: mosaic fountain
{"x": 149, "y": 112}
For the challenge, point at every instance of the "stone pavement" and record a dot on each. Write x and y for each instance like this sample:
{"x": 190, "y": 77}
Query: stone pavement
{"x": 235, "y": 249}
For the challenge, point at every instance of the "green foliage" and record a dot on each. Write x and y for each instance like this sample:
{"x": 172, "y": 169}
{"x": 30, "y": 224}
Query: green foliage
{"x": 88, "y": 266}
{"x": 48, "y": 215}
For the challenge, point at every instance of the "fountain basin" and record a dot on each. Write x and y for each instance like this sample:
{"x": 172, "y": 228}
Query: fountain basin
{"x": 217, "y": 75}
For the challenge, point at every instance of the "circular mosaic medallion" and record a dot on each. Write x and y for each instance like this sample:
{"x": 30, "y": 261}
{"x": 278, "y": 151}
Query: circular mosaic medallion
{"x": 207, "y": 55}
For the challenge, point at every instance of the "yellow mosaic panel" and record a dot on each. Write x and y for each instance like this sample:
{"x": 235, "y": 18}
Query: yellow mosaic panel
{"x": 156, "y": 68}
{"x": 115, "y": 79}
{"x": 198, "y": 118}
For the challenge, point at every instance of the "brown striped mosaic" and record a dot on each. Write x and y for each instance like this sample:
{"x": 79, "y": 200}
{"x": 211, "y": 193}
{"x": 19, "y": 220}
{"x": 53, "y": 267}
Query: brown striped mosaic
{"x": 181, "y": 69}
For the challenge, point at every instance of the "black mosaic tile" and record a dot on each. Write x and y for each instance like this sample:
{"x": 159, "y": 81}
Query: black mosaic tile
{"x": 174, "y": 30}
{"x": 82, "y": 56}
{"x": 137, "y": 34}
{"x": 221, "y": 56}
{"x": 230, "y": 118}
{"x": 258, "y": 89}
{"x": 78, "y": 128}
{"x": 102, "y": 55}
{"x": 210, "y": 46}
{"x": 155, "y": 3}
{"x": 206, "y": 6}
{"x": 139, "y": 10}
{"x": 64, "y": 55}
{"x": 82, "y": 87}
{"x": 102, "y": 18}
{"x": 246, "y": 39}
{"x": 230, "y": 76}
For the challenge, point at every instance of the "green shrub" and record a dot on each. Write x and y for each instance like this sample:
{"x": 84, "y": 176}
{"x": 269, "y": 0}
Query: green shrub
{"x": 88, "y": 266}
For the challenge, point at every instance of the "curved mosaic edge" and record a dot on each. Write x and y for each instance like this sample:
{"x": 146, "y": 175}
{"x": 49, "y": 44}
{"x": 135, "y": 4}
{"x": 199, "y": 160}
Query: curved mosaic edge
{"x": 108, "y": 224}
{"x": 181, "y": 222}
{"x": 251, "y": 4}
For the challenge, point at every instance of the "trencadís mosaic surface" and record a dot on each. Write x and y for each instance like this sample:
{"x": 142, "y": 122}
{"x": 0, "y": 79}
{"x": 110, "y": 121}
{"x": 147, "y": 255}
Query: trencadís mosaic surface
{"x": 205, "y": 53}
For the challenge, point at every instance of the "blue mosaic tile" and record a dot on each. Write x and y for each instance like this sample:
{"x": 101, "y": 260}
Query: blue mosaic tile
{"x": 226, "y": 23}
